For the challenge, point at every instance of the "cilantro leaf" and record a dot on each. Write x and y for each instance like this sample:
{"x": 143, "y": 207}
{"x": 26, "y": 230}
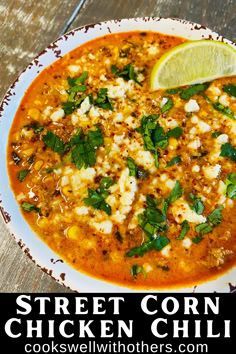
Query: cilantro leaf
{"x": 84, "y": 151}
{"x": 22, "y": 175}
{"x": 203, "y": 228}
{"x": 157, "y": 244}
{"x": 175, "y": 132}
{"x": 176, "y": 193}
{"x": 174, "y": 91}
{"x": 184, "y": 230}
{"x": 136, "y": 269}
{"x": 190, "y": 91}
{"x": 216, "y": 134}
{"x": 167, "y": 106}
{"x": 103, "y": 100}
{"x": 224, "y": 110}
{"x": 174, "y": 161}
{"x": 96, "y": 197}
{"x": 215, "y": 217}
{"x": 53, "y": 141}
{"x": 227, "y": 150}
{"x": 78, "y": 80}
{"x": 231, "y": 185}
{"x": 135, "y": 170}
{"x": 28, "y": 207}
{"x": 127, "y": 73}
{"x": 197, "y": 204}
{"x": 230, "y": 89}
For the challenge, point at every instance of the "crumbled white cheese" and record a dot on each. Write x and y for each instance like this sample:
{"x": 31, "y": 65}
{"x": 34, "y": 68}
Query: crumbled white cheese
{"x": 222, "y": 139}
{"x": 57, "y": 115}
{"x": 195, "y": 144}
{"x": 83, "y": 210}
{"x": 214, "y": 90}
{"x": 104, "y": 227}
{"x": 187, "y": 242}
{"x": 145, "y": 159}
{"x": 224, "y": 100}
{"x": 166, "y": 251}
{"x": 84, "y": 107}
{"x": 191, "y": 106}
{"x": 94, "y": 112}
{"x": 211, "y": 172}
{"x": 118, "y": 117}
{"x": 203, "y": 127}
{"x": 195, "y": 168}
{"x": 64, "y": 180}
{"x": 182, "y": 211}
{"x": 170, "y": 183}
{"x": 87, "y": 174}
{"x": 91, "y": 56}
{"x": 153, "y": 50}
{"x": 171, "y": 123}
{"x": 47, "y": 111}
{"x": 73, "y": 69}
{"x": 103, "y": 77}
{"x": 127, "y": 188}
{"x": 163, "y": 101}
{"x": 163, "y": 177}
{"x": 194, "y": 119}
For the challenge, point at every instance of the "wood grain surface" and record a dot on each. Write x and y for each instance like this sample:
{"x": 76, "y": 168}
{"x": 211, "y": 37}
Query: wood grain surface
{"x": 27, "y": 27}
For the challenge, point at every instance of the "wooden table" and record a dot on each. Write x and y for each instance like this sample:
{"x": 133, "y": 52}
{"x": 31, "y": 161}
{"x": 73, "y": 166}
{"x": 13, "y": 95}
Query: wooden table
{"x": 27, "y": 27}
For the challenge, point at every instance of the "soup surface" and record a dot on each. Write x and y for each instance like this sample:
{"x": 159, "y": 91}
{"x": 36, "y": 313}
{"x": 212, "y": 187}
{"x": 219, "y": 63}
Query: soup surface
{"x": 125, "y": 184}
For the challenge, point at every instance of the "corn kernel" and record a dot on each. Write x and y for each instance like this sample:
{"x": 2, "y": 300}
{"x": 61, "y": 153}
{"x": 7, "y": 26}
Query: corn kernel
{"x": 28, "y": 152}
{"x": 173, "y": 143}
{"x": 67, "y": 191}
{"x": 73, "y": 232}
{"x": 38, "y": 165}
{"x": 43, "y": 222}
{"x": 34, "y": 113}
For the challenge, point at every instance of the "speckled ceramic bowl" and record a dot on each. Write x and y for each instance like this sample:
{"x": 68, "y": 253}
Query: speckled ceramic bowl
{"x": 20, "y": 230}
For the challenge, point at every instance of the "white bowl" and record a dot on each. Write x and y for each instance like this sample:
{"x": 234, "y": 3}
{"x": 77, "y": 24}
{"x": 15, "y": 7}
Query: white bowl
{"x": 30, "y": 243}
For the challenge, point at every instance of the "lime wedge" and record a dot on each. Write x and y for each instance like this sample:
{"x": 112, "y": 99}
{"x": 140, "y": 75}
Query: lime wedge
{"x": 193, "y": 62}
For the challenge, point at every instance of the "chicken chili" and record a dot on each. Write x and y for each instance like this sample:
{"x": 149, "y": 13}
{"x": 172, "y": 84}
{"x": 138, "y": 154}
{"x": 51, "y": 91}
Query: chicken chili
{"x": 125, "y": 184}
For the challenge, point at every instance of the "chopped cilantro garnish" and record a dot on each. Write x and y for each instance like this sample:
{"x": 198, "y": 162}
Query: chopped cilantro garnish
{"x": 97, "y": 197}
{"x": 83, "y": 153}
{"x": 227, "y": 150}
{"x": 76, "y": 86}
{"x": 174, "y": 161}
{"x": 175, "y": 132}
{"x": 203, "y": 228}
{"x": 197, "y": 204}
{"x": 230, "y": 89}
{"x": 167, "y": 106}
{"x": 184, "y": 230}
{"x": 135, "y": 270}
{"x": 213, "y": 219}
{"x": 103, "y": 100}
{"x": 22, "y": 175}
{"x": 127, "y": 73}
{"x": 224, "y": 110}
{"x": 174, "y": 91}
{"x": 135, "y": 170}
{"x": 231, "y": 185}
{"x": 28, "y": 207}
{"x": 53, "y": 141}
{"x": 190, "y": 91}
{"x": 216, "y": 134}
{"x": 176, "y": 193}
{"x": 158, "y": 243}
